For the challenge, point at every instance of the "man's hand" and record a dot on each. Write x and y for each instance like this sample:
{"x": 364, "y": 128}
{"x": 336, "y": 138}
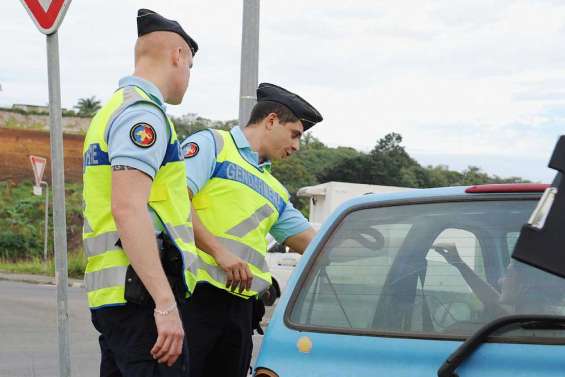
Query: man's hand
{"x": 237, "y": 271}
{"x": 170, "y": 336}
{"x": 449, "y": 251}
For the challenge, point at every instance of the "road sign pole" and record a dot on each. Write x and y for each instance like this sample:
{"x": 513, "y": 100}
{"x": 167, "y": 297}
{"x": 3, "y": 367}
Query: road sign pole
{"x": 58, "y": 184}
{"x": 47, "y": 16}
{"x": 46, "y": 228}
{"x": 249, "y": 71}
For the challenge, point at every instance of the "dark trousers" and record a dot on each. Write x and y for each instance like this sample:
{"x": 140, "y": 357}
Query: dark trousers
{"x": 219, "y": 332}
{"x": 127, "y": 335}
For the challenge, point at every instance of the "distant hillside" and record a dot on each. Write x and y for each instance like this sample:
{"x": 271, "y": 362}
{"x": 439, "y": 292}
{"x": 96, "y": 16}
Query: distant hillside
{"x": 30, "y": 120}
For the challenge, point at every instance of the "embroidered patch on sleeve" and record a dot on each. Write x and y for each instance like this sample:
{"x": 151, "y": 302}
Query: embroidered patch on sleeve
{"x": 143, "y": 135}
{"x": 192, "y": 150}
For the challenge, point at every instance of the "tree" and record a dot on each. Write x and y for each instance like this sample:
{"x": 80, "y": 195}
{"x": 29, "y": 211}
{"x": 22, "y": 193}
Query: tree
{"x": 387, "y": 164}
{"x": 293, "y": 174}
{"x": 441, "y": 176}
{"x": 189, "y": 124}
{"x": 306, "y": 166}
{"x": 87, "y": 107}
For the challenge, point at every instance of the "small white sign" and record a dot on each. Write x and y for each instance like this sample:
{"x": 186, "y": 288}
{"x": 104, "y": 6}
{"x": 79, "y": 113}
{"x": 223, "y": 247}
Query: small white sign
{"x": 38, "y": 165}
{"x": 37, "y": 190}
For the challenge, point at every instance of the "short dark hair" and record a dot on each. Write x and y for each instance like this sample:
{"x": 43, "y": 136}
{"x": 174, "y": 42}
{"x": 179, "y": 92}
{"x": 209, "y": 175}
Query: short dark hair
{"x": 262, "y": 109}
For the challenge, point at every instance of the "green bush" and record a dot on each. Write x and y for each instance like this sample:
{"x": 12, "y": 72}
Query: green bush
{"x": 22, "y": 221}
{"x": 14, "y": 246}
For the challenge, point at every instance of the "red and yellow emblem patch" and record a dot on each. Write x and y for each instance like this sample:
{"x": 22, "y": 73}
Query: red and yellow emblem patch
{"x": 143, "y": 135}
{"x": 191, "y": 149}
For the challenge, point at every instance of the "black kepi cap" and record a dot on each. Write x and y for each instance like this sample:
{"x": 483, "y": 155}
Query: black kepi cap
{"x": 299, "y": 106}
{"x": 149, "y": 21}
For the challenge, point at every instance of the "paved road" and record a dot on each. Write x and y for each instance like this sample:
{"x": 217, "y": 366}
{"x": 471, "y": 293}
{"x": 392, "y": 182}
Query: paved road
{"x": 28, "y": 332}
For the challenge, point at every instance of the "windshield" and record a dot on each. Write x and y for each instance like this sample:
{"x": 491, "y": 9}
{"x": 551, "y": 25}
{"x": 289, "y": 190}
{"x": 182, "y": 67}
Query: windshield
{"x": 439, "y": 269}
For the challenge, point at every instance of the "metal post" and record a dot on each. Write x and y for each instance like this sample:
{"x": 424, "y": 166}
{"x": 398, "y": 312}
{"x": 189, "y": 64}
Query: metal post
{"x": 46, "y": 228}
{"x": 249, "y": 73}
{"x": 58, "y": 184}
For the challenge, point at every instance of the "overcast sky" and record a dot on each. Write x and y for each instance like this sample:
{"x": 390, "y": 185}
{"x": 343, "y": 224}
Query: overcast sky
{"x": 473, "y": 82}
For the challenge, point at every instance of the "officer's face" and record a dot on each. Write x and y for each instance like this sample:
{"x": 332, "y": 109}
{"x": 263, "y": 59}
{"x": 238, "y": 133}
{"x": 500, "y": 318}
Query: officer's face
{"x": 285, "y": 139}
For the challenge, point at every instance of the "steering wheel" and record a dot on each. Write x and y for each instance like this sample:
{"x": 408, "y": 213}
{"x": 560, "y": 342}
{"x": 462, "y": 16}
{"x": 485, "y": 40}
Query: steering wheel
{"x": 372, "y": 239}
{"x": 446, "y": 319}
{"x": 369, "y": 238}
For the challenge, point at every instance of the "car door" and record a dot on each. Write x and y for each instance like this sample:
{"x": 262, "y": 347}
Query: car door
{"x": 392, "y": 308}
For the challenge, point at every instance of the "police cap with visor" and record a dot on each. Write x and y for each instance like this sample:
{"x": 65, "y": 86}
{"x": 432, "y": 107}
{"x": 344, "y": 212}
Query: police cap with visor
{"x": 296, "y": 104}
{"x": 149, "y": 21}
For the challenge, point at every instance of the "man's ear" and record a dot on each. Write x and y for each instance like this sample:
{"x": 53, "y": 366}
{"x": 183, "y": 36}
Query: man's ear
{"x": 177, "y": 56}
{"x": 270, "y": 121}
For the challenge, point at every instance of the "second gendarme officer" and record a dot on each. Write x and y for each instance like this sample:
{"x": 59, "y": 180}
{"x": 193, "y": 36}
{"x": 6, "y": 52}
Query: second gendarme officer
{"x": 134, "y": 190}
{"x": 238, "y": 201}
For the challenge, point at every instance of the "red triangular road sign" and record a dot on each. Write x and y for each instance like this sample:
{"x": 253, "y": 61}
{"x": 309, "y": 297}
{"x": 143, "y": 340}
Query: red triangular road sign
{"x": 47, "y": 14}
{"x": 38, "y": 164}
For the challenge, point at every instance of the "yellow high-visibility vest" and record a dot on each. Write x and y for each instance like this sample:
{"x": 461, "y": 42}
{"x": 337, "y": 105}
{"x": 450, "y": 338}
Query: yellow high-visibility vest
{"x": 107, "y": 262}
{"x": 239, "y": 204}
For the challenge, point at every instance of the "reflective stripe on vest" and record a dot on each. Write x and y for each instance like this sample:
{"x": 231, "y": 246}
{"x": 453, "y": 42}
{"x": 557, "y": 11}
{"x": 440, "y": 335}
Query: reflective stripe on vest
{"x": 107, "y": 262}
{"x": 238, "y": 205}
{"x": 251, "y": 222}
{"x": 106, "y": 278}
{"x": 183, "y": 232}
{"x": 100, "y": 244}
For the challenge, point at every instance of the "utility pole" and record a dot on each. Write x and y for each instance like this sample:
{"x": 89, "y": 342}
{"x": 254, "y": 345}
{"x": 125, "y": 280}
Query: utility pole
{"x": 249, "y": 74}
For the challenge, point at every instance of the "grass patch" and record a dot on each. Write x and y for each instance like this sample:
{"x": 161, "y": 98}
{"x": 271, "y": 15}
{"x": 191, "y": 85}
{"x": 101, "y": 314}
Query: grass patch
{"x": 76, "y": 262}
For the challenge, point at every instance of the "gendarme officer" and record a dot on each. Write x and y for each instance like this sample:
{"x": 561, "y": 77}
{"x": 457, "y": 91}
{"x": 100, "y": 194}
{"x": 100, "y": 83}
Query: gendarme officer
{"x": 237, "y": 202}
{"x": 134, "y": 190}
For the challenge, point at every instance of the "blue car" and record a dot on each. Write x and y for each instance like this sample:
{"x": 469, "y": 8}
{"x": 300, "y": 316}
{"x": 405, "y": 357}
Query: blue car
{"x": 420, "y": 283}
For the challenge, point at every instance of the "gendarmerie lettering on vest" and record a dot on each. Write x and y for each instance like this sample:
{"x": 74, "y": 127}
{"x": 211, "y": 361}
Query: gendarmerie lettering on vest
{"x": 237, "y": 173}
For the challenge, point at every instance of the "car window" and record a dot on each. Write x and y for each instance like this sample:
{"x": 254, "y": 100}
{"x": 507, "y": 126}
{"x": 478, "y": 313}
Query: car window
{"x": 343, "y": 290}
{"x": 448, "y": 297}
{"x": 425, "y": 270}
{"x": 467, "y": 245}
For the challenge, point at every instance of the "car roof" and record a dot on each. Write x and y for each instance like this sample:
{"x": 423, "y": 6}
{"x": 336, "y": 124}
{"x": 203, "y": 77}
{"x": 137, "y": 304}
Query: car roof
{"x": 412, "y": 194}
{"x": 416, "y": 195}
{"x": 409, "y": 194}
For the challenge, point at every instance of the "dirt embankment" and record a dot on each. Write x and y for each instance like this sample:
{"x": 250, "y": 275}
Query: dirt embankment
{"x": 16, "y": 145}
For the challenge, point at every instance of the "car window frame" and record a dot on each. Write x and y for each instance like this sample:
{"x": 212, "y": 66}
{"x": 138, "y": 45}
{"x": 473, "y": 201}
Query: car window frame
{"x": 302, "y": 279}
